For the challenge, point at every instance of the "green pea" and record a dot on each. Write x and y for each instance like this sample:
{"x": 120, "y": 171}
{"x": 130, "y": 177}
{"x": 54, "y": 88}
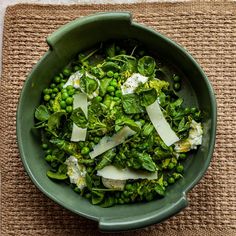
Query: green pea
{"x": 51, "y": 102}
{"x": 76, "y": 68}
{"x": 49, "y": 151}
{"x": 81, "y": 144}
{"x": 110, "y": 88}
{"x": 137, "y": 116}
{"x": 180, "y": 168}
{"x": 69, "y": 87}
{"x": 46, "y": 97}
{"x": 49, "y": 90}
{"x": 113, "y": 83}
{"x": 116, "y": 99}
{"x": 171, "y": 180}
{"x": 69, "y": 101}
{"x": 110, "y": 73}
{"x": 182, "y": 156}
{"x": 53, "y": 85}
{"x": 66, "y": 72}
{"x": 187, "y": 110}
{"x": 116, "y": 75}
{"x": 63, "y": 104}
{"x": 60, "y": 86}
{"x": 193, "y": 109}
{"x": 91, "y": 145}
{"x": 44, "y": 146}
{"x": 165, "y": 183}
{"x": 176, "y": 78}
{"x": 118, "y": 93}
{"x": 171, "y": 165}
{"x": 46, "y": 91}
{"x": 128, "y": 186}
{"x": 96, "y": 139}
{"x": 176, "y": 86}
{"x": 55, "y": 90}
{"x": 53, "y": 95}
{"x": 64, "y": 96}
{"x": 85, "y": 151}
{"x": 77, "y": 190}
{"x": 48, "y": 158}
{"x": 57, "y": 79}
{"x": 69, "y": 109}
{"x": 64, "y": 90}
{"x": 112, "y": 93}
{"x": 98, "y": 98}
{"x": 71, "y": 92}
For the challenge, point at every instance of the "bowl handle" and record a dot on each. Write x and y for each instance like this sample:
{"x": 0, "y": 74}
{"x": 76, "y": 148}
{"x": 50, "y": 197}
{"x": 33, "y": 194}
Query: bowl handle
{"x": 135, "y": 222}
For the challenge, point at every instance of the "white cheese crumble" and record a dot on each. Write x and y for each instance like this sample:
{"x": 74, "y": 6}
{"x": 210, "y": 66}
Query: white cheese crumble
{"x": 76, "y": 172}
{"x": 194, "y": 139}
{"x": 132, "y": 83}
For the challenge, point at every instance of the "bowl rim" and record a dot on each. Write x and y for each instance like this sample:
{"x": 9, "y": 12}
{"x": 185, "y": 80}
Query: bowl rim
{"x": 113, "y": 226}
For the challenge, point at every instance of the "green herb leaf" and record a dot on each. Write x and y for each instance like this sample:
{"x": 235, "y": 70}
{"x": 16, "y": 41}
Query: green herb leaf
{"x": 129, "y": 122}
{"x": 148, "y": 97}
{"x": 89, "y": 181}
{"x": 146, "y": 66}
{"x": 106, "y": 159}
{"x": 160, "y": 190}
{"x": 104, "y": 83}
{"x": 111, "y": 50}
{"x": 42, "y": 113}
{"x": 131, "y": 104}
{"x": 147, "y": 162}
{"x": 57, "y": 175}
{"x": 88, "y": 85}
{"x": 79, "y": 118}
{"x": 97, "y": 197}
{"x": 147, "y": 129}
{"x": 54, "y": 120}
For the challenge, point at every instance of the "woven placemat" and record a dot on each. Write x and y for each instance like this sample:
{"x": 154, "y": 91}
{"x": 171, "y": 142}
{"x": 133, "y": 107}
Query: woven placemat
{"x": 207, "y": 30}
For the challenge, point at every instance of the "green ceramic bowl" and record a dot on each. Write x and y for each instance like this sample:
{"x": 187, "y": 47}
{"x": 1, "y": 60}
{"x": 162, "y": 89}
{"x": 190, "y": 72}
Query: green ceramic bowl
{"x": 64, "y": 44}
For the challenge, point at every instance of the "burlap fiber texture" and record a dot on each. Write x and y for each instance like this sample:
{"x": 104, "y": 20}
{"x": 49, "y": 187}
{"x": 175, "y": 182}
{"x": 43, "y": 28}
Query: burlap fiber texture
{"x": 207, "y": 31}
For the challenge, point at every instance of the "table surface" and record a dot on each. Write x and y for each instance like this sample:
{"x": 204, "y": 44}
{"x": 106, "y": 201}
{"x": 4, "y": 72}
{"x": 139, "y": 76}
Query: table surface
{"x": 5, "y": 3}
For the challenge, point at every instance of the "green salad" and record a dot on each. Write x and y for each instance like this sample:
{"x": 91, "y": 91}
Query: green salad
{"x": 113, "y": 126}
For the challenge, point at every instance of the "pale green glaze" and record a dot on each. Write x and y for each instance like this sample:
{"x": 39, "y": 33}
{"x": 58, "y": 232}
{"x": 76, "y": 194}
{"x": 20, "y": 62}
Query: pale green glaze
{"x": 64, "y": 44}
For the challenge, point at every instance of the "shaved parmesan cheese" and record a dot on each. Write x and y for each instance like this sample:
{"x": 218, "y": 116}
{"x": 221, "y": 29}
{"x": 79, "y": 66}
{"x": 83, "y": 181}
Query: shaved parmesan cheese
{"x": 113, "y": 183}
{"x": 107, "y": 143}
{"x": 80, "y": 100}
{"x": 132, "y": 83}
{"x": 161, "y": 125}
{"x": 112, "y": 172}
{"x": 76, "y": 172}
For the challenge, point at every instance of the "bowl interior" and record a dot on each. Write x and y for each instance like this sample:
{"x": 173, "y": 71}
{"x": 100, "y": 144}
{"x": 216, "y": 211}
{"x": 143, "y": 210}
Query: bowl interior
{"x": 64, "y": 45}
